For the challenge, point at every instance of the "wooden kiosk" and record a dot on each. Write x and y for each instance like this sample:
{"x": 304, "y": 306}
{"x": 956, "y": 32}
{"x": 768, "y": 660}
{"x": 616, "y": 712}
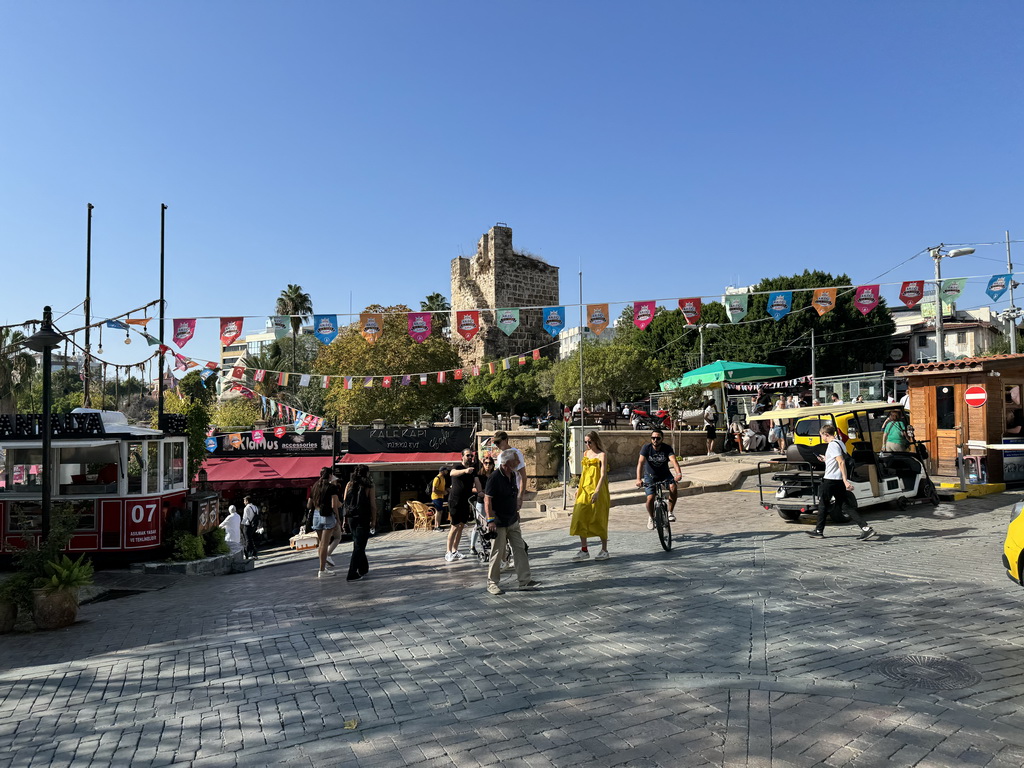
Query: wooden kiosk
{"x": 975, "y": 403}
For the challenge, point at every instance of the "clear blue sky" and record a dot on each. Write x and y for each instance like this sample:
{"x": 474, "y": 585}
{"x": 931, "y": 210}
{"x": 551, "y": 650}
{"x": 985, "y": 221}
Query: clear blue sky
{"x": 671, "y": 147}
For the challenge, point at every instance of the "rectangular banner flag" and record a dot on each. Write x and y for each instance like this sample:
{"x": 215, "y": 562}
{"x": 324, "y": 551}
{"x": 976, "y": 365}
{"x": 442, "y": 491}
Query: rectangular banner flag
{"x": 423, "y": 379}
{"x": 386, "y": 382}
{"x": 230, "y": 329}
{"x": 238, "y": 372}
{"x": 406, "y": 380}
{"x": 260, "y": 375}
{"x": 282, "y": 379}
{"x": 522, "y": 359}
{"x": 467, "y": 323}
{"x": 823, "y": 300}
{"x": 865, "y": 298}
{"x": 490, "y": 368}
{"x": 368, "y": 382}
{"x": 371, "y": 326}
{"x": 690, "y": 309}
{"x": 508, "y": 320}
{"x": 536, "y": 354}
{"x": 597, "y": 318}
{"x": 912, "y": 292}
{"x": 951, "y": 289}
{"x": 281, "y": 325}
{"x": 419, "y": 326}
{"x": 505, "y": 364}
{"x": 440, "y": 377}
{"x": 458, "y": 374}
{"x": 997, "y": 286}
{"x": 643, "y": 313}
{"x": 476, "y": 370}
{"x": 325, "y": 327}
{"x": 184, "y": 329}
{"x": 348, "y": 382}
{"x": 327, "y": 382}
{"x": 554, "y": 320}
{"x": 736, "y": 306}
{"x": 779, "y": 304}
{"x": 304, "y": 380}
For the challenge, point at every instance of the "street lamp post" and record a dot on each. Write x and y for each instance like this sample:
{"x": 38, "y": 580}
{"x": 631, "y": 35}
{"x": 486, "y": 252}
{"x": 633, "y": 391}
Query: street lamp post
{"x": 937, "y": 255}
{"x": 700, "y": 330}
{"x": 44, "y": 340}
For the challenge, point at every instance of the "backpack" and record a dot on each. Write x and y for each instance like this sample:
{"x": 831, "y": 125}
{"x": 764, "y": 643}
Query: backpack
{"x": 255, "y": 523}
{"x": 353, "y": 500}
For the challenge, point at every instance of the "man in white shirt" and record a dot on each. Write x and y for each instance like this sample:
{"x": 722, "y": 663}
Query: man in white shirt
{"x": 250, "y": 522}
{"x": 232, "y": 526}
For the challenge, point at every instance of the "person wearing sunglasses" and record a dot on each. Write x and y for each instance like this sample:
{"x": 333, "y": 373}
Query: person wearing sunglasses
{"x": 590, "y": 510}
{"x": 658, "y": 462}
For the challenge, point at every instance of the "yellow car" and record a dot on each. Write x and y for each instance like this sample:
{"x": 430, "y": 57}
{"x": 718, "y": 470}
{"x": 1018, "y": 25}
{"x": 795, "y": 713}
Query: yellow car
{"x": 1013, "y": 547}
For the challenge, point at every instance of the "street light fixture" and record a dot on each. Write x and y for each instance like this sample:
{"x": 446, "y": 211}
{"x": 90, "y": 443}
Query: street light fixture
{"x": 937, "y": 255}
{"x": 700, "y": 329}
{"x": 44, "y": 340}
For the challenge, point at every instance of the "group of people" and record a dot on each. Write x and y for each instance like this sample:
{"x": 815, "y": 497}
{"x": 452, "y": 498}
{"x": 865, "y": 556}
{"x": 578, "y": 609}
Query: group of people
{"x": 241, "y": 532}
{"x": 356, "y": 502}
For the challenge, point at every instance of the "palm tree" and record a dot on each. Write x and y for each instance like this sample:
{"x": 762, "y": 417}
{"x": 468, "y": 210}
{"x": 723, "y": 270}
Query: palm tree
{"x": 296, "y": 303}
{"x": 438, "y": 304}
{"x": 16, "y": 369}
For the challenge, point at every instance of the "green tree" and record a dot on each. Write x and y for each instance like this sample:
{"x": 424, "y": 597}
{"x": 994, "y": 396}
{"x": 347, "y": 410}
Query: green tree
{"x": 235, "y": 412}
{"x": 304, "y": 351}
{"x": 394, "y": 353}
{"x": 613, "y": 371}
{"x": 16, "y": 368}
{"x": 438, "y": 304}
{"x": 191, "y": 399}
{"x": 295, "y": 302}
{"x": 522, "y": 389}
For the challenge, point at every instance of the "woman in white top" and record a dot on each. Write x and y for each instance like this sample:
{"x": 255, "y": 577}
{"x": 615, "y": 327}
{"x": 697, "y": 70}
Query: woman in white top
{"x": 232, "y": 526}
{"x": 836, "y": 484}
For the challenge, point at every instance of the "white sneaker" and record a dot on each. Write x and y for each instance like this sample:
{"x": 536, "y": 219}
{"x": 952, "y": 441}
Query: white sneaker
{"x": 602, "y": 555}
{"x": 448, "y": 557}
{"x": 671, "y": 517}
{"x": 580, "y": 556}
{"x": 457, "y": 555}
{"x": 321, "y": 574}
{"x": 650, "y": 524}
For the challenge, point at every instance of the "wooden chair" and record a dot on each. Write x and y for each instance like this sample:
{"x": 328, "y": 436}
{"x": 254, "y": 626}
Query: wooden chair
{"x": 423, "y": 515}
{"x": 400, "y": 516}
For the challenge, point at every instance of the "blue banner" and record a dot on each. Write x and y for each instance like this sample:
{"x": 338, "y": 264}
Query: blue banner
{"x": 325, "y": 327}
{"x": 779, "y": 304}
{"x": 554, "y": 320}
{"x": 998, "y": 285}
{"x": 211, "y": 444}
{"x": 117, "y": 324}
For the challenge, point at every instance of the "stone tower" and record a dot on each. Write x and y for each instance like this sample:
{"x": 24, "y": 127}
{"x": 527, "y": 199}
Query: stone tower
{"x": 495, "y": 278}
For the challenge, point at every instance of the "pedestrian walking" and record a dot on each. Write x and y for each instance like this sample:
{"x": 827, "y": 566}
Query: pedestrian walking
{"x": 501, "y": 501}
{"x": 835, "y": 484}
{"x": 232, "y": 525}
{"x": 590, "y": 510}
{"x": 324, "y": 501}
{"x": 360, "y": 506}
{"x": 502, "y": 444}
{"x": 710, "y": 424}
{"x": 438, "y": 494}
{"x": 464, "y": 483}
{"x": 250, "y": 525}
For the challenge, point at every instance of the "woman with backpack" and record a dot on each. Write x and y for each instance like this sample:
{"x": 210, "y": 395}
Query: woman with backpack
{"x": 360, "y": 507}
{"x": 323, "y": 500}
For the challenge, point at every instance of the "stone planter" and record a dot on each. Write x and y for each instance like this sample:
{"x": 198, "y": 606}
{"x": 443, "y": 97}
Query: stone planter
{"x": 53, "y": 610}
{"x": 8, "y": 617}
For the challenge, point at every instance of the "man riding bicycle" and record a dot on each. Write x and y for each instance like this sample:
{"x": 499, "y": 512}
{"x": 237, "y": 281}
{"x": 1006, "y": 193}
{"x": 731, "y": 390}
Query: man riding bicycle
{"x": 652, "y": 467}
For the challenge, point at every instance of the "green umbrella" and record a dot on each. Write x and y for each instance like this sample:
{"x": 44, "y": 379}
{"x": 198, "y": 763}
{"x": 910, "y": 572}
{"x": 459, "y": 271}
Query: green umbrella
{"x": 723, "y": 370}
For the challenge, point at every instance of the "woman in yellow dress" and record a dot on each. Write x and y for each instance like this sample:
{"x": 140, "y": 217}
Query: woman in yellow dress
{"x": 590, "y": 510}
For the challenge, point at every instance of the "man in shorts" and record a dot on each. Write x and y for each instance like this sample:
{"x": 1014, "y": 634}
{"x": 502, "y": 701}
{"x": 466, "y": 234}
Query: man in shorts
{"x": 465, "y": 482}
{"x": 658, "y": 462}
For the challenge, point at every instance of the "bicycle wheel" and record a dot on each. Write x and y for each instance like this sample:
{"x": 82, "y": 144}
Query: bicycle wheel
{"x": 662, "y": 524}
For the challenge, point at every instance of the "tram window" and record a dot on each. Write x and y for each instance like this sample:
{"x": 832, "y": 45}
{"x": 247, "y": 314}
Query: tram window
{"x": 810, "y": 427}
{"x": 152, "y": 467}
{"x": 92, "y": 467}
{"x": 21, "y": 469}
{"x": 135, "y": 467}
{"x": 174, "y": 465}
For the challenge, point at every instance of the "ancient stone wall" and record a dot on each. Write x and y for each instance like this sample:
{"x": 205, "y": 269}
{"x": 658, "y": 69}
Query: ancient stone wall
{"x": 496, "y": 277}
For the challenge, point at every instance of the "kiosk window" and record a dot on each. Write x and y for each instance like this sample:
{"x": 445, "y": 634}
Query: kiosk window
{"x": 21, "y": 470}
{"x": 945, "y": 408}
{"x": 174, "y": 465}
{"x": 88, "y": 469}
{"x": 136, "y": 464}
{"x": 152, "y": 467}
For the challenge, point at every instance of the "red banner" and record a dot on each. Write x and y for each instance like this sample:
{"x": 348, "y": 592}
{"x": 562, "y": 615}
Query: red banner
{"x": 690, "y": 309}
{"x": 230, "y": 329}
{"x": 467, "y": 323}
{"x": 912, "y": 292}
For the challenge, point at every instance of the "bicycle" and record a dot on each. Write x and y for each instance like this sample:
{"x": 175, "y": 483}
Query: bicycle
{"x": 661, "y": 521}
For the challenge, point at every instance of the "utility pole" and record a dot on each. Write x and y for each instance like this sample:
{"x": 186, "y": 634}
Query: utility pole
{"x": 160, "y": 368}
{"x": 812, "y": 358}
{"x": 1012, "y": 313}
{"x": 936, "y": 254}
{"x": 86, "y": 399}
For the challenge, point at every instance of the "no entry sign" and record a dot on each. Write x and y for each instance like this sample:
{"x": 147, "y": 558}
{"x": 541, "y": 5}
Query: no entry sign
{"x": 975, "y": 396}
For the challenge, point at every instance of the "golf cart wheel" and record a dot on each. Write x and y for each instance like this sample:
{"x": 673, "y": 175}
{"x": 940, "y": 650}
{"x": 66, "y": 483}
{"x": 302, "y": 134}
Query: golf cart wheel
{"x": 792, "y": 515}
{"x": 901, "y": 503}
{"x": 929, "y": 492}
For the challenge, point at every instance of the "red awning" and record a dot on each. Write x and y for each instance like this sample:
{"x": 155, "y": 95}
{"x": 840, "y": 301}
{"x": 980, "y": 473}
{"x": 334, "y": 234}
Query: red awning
{"x": 265, "y": 471}
{"x": 402, "y": 458}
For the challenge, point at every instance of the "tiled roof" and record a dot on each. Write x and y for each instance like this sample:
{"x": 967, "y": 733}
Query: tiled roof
{"x": 967, "y": 363}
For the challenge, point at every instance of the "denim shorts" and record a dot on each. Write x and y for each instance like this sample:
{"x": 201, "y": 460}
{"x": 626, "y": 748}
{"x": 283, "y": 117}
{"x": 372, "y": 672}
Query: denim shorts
{"x": 322, "y": 523}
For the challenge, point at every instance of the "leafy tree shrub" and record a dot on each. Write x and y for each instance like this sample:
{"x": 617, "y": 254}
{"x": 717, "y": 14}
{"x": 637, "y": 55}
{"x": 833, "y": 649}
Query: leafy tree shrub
{"x": 214, "y": 542}
{"x": 187, "y": 546}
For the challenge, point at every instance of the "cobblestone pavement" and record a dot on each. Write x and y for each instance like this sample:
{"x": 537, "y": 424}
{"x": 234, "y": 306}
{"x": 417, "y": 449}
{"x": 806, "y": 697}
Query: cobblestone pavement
{"x": 750, "y": 644}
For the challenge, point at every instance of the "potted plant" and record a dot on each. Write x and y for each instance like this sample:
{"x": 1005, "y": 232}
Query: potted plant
{"x": 15, "y": 597}
{"x": 55, "y": 599}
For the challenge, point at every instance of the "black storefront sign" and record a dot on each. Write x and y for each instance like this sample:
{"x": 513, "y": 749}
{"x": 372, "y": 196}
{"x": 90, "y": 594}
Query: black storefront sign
{"x": 292, "y": 444}
{"x": 410, "y": 440}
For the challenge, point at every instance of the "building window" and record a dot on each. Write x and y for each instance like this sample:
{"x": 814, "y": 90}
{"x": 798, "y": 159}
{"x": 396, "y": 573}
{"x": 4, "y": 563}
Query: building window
{"x": 961, "y": 337}
{"x": 922, "y": 341}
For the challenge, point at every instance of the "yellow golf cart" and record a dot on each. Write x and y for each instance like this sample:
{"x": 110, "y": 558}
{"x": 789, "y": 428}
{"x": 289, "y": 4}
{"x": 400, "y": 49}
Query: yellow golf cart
{"x": 789, "y": 484}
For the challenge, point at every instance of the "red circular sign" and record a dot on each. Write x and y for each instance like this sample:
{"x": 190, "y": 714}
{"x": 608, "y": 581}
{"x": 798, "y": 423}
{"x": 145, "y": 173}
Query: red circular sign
{"x": 566, "y": 414}
{"x": 975, "y": 396}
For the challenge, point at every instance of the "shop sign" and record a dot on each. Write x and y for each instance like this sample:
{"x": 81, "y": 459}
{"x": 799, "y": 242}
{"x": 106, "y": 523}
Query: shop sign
{"x": 410, "y": 440}
{"x": 290, "y": 444}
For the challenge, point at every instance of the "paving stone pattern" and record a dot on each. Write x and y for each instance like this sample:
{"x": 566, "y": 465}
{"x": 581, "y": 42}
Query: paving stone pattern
{"x": 750, "y": 644}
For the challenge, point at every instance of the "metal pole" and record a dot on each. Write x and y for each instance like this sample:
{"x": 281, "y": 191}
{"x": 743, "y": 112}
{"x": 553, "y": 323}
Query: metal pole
{"x": 565, "y": 461}
{"x": 86, "y": 397}
{"x": 160, "y": 373}
{"x": 936, "y": 254}
{"x": 813, "y": 369}
{"x": 46, "y": 500}
{"x": 1012, "y": 313}
{"x": 581, "y": 351}
{"x": 700, "y": 332}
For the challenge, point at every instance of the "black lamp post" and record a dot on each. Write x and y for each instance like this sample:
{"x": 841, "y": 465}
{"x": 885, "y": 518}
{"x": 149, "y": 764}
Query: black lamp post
{"x": 44, "y": 340}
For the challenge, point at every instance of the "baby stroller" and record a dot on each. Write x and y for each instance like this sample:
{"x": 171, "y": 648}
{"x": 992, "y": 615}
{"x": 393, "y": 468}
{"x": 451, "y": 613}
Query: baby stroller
{"x": 480, "y": 541}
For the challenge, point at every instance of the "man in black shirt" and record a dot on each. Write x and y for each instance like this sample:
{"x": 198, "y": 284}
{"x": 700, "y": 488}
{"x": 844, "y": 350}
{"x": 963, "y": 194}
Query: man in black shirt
{"x": 658, "y": 462}
{"x": 464, "y": 482}
{"x": 501, "y": 504}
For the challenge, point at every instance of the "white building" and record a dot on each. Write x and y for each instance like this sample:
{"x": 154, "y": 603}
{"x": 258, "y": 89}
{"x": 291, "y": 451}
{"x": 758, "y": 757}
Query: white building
{"x": 570, "y": 339}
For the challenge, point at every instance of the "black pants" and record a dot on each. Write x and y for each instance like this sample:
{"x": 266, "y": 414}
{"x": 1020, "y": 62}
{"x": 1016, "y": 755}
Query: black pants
{"x": 836, "y": 489}
{"x": 248, "y": 541}
{"x": 358, "y": 566}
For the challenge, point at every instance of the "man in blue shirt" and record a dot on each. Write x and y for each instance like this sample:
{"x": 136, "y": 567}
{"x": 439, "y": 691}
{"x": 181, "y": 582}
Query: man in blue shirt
{"x": 501, "y": 505}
